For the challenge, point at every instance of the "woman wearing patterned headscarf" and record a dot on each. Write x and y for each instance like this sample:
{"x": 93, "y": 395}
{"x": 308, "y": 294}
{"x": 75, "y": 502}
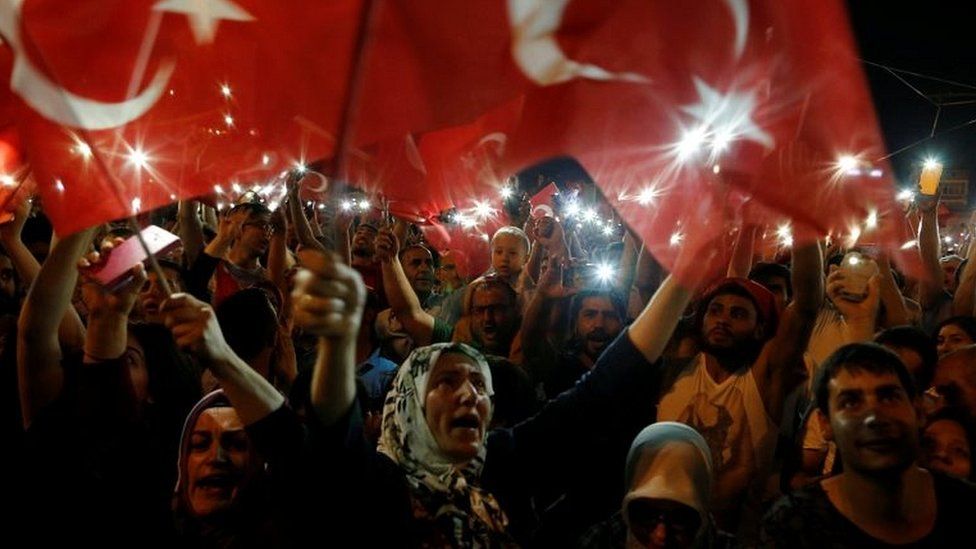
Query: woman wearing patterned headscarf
{"x": 435, "y": 425}
{"x": 439, "y": 478}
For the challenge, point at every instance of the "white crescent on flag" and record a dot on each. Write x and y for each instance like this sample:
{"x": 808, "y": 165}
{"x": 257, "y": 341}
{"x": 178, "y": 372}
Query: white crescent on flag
{"x": 60, "y": 105}
{"x": 537, "y": 53}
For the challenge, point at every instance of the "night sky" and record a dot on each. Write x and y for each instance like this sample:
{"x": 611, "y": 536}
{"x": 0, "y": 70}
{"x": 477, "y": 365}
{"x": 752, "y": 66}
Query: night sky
{"x": 931, "y": 38}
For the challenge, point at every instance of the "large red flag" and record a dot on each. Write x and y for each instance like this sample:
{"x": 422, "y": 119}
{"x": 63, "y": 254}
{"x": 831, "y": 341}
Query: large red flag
{"x": 127, "y": 105}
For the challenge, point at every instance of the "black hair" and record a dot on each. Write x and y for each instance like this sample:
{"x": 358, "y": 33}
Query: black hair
{"x": 174, "y": 378}
{"x": 961, "y": 417}
{"x": 249, "y": 322}
{"x": 515, "y": 398}
{"x": 912, "y": 338}
{"x": 728, "y": 288}
{"x": 491, "y": 281}
{"x": 416, "y": 245}
{"x": 964, "y": 322}
{"x": 763, "y": 271}
{"x": 252, "y": 208}
{"x": 869, "y": 357}
{"x": 576, "y": 304}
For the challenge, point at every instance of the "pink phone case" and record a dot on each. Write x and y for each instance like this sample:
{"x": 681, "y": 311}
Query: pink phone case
{"x": 116, "y": 268}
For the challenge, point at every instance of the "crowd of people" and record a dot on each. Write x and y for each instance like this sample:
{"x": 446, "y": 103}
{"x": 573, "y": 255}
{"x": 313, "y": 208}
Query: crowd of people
{"x": 293, "y": 378}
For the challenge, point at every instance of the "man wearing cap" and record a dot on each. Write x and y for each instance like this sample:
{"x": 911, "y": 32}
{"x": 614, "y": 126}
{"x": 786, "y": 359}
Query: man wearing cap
{"x": 732, "y": 391}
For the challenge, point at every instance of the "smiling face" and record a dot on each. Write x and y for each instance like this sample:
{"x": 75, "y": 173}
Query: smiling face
{"x": 219, "y": 461}
{"x": 872, "y": 420}
{"x": 457, "y": 406}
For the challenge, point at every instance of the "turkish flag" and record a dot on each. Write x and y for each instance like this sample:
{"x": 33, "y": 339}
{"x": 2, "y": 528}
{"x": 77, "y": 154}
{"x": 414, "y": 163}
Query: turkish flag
{"x": 743, "y": 115}
{"x": 693, "y": 118}
{"x": 127, "y": 105}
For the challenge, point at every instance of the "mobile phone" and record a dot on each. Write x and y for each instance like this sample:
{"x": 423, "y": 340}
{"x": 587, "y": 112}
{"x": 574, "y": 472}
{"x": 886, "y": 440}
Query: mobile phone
{"x": 858, "y": 268}
{"x": 929, "y": 179}
{"x": 115, "y": 269}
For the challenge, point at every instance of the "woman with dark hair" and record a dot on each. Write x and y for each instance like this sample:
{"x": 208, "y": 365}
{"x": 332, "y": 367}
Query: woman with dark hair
{"x": 954, "y": 333}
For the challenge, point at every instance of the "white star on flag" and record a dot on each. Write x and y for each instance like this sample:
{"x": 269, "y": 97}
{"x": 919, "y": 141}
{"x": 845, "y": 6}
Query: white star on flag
{"x": 204, "y": 15}
{"x": 727, "y": 117}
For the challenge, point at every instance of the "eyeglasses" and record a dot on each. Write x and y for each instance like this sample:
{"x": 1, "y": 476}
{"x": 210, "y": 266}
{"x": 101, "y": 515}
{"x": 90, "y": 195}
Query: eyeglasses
{"x": 6, "y": 275}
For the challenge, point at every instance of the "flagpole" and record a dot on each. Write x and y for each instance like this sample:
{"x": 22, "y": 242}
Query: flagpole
{"x": 117, "y": 187}
{"x": 350, "y": 104}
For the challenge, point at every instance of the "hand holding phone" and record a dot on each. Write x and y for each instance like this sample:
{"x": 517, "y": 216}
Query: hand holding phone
{"x": 115, "y": 268}
{"x": 858, "y": 269}
{"x": 928, "y": 180}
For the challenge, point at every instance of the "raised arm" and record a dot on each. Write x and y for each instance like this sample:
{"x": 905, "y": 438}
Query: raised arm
{"x": 535, "y": 331}
{"x": 648, "y": 275}
{"x": 108, "y": 311}
{"x": 195, "y": 328}
{"x": 964, "y": 301}
{"x": 653, "y": 327}
{"x": 303, "y": 229}
{"x": 742, "y": 252}
{"x": 278, "y": 257}
{"x": 190, "y": 229}
{"x": 627, "y": 265}
{"x": 71, "y": 331}
{"x": 404, "y": 303}
{"x": 931, "y": 286}
{"x": 781, "y": 365}
{"x": 328, "y": 298}
{"x": 896, "y": 312}
{"x": 40, "y": 375}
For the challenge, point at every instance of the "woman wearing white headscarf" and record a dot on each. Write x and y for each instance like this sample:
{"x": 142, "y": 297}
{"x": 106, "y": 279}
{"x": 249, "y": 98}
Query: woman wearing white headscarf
{"x": 439, "y": 477}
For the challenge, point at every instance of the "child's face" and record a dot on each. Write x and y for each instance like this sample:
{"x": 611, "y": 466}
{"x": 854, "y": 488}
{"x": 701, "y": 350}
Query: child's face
{"x": 507, "y": 254}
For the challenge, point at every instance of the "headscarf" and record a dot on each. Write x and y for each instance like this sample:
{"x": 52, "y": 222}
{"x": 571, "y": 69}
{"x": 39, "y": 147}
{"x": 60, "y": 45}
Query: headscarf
{"x": 445, "y": 494}
{"x": 215, "y": 399}
{"x": 660, "y": 466}
{"x": 248, "y": 524}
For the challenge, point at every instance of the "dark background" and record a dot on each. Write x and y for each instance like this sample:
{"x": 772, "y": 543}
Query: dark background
{"x": 936, "y": 39}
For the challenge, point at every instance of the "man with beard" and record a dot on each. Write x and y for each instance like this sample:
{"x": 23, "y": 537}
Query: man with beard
{"x": 732, "y": 392}
{"x": 596, "y": 317}
{"x": 865, "y": 405}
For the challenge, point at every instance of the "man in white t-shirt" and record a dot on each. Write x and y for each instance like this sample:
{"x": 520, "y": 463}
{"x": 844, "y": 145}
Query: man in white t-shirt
{"x": 732, "y": 392}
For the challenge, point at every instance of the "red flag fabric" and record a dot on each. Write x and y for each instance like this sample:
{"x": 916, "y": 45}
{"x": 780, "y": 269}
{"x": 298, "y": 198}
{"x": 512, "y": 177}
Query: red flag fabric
{"x": 126, "y": 105}
{"x": 748, "y": 103}
{"x": 542, "y": 201}
{"x": 693, "y": 118}
{"x": 683, "y": 113}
